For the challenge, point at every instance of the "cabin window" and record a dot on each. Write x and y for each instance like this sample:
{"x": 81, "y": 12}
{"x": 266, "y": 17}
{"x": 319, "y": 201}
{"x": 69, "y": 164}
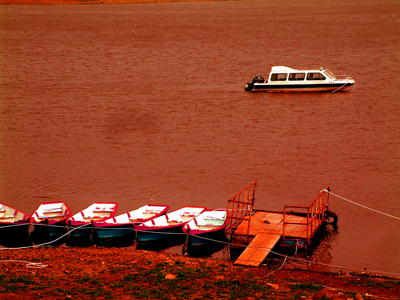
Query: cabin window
{"x": 297, "y": 76}
{"x": 315, "y": 76}
{"x": 279, "y": 77}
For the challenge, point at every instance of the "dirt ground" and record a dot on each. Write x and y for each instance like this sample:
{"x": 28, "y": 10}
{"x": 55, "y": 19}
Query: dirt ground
{"x": 125, "y": 273}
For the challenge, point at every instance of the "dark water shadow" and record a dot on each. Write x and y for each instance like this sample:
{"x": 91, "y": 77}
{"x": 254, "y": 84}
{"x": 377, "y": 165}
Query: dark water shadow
{"x": 162, "y": 245}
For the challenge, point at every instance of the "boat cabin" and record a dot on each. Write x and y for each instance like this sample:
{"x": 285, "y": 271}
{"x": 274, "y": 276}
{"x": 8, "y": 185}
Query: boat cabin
{"x": 288, "y": 74}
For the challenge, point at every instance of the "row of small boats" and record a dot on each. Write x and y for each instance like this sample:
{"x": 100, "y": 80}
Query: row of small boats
{"x": 54, "y": 224}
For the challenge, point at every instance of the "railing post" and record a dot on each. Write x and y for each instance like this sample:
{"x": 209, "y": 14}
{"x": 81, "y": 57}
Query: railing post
{"x": 284, "y": 223}
{"x": 242, "y": 206}
{"x": 308, "y": 222}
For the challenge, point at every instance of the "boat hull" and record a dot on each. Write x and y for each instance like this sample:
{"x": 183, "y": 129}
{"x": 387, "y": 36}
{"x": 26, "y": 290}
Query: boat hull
{"x": 321, "y": 87}
{"x": 114, "y": 236}
{"x": 200, "y": 238}
{"x": 153, "y": 234}
{"x": 45, "y": 232}
{"x": 15, "y": 234}
{"x": 80, "y": 234}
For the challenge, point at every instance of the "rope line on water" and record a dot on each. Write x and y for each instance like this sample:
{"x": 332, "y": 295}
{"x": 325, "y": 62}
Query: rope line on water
{"x": 366, "y": 207}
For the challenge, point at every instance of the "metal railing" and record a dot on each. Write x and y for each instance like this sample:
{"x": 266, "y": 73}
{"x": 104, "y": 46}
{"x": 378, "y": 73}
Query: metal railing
{"x": 240, "y": 207}
{"x": 315, "y": 213}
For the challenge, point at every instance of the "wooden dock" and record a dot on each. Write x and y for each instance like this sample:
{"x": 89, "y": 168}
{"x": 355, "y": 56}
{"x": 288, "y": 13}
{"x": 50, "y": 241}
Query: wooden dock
{"x": 267, "y": 230}
{"x": 295, "y": 225}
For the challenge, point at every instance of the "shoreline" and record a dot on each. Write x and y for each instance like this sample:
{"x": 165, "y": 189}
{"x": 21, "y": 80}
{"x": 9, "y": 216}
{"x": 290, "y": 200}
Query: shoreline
{"x": 125, "y": 273}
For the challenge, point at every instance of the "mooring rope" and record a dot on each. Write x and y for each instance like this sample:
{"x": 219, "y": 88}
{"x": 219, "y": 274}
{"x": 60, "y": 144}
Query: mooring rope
{"x": 29, "y": 264}
{"x": 340, "y": 87}
{"x": 278, "y": 268}
{"x": 366, "y": 207}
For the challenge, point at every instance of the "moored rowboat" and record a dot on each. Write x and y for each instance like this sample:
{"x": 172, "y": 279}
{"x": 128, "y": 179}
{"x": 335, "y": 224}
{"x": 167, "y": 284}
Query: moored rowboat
{"x": 14, "y": 226}
{"x": 81, "y": 224}
{"x": 49, "y": 221}
{"x": 205, "y": 228}
{"x": 119, "y": 231}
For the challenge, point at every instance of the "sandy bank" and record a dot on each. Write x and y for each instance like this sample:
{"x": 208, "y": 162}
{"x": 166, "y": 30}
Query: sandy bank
{"x": 112, "y": 273}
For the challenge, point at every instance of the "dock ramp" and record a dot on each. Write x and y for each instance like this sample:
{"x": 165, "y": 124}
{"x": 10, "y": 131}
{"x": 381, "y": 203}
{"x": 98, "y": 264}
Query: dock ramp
{"x": 258, "y": 249}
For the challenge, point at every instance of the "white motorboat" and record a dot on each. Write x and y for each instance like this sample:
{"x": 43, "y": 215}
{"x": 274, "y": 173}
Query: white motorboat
{"x": 285, "y": 79}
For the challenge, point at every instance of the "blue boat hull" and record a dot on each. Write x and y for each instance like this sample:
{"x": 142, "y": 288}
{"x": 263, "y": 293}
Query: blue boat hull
{"x": 44, "y": 233}
{"x": 81, "y": 237}
{"x": 157, "y": 234}
{"x": 16, "y": 235}
{"x": 114, "y": 236}
{"x": 206, "y": 238}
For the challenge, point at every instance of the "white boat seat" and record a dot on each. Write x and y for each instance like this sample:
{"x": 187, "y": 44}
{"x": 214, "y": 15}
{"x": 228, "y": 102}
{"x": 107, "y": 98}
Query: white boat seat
{"x": 152, "y": 211}
{"x": 8, "y": 217}
{"x": 52, "y": 216}
{"x": 103, "y": 209}
{"x": 94, "y": 217}
{"x": 189, "y": 214}
{"x": 216, "y": 216}
{"x": 52, "y": 210}
{"x": 176, "y": 219}
{"x": 136, "y": 219}
{"x": 138, "y": 216}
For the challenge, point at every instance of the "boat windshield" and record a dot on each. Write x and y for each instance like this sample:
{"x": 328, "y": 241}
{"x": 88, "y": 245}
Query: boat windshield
{"x": 329, "y": 74}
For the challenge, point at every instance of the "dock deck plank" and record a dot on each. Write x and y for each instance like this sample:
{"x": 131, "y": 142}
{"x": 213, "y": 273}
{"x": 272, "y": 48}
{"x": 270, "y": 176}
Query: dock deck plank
{"x": 258, "y": 249}
{"x": 268, "y": 221}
